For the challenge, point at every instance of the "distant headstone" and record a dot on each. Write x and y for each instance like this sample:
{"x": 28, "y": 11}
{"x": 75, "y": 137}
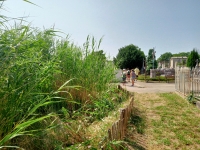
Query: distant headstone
{"x": 152, "y": 73}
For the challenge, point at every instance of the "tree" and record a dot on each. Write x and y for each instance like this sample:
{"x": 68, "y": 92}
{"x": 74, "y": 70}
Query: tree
{"x": 99, "y": 54}
{"x": 165, "y": 57}
{"x": 130, "y": 57}
{"x": 98, "y": 57}
{"x": 191, "y": 61}
{"x": 151, "y": 60}
{"x": 182, "y": 54}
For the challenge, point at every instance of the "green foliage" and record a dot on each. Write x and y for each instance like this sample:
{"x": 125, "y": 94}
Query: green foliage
{"x": 191, "y": 98}
{"x": 115, "y": 145}
{"x": 165, "y": 57}
{"x": 147, "y": 78}
{"x": 46, "y": 84}
{"x": 34, "y": 68}
{"x": 100, "y": 108}
{"x": 181, "y": 54}
{"x": 129, "y": 56}
{"x": 151, "y": 60}
{"x": 191, "y": 61}
{"x": 139, "y": 123}
{"x": 100, "y": 55}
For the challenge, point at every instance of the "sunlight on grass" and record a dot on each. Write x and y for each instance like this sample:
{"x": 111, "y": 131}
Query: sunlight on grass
{"x": 98, "y": 129}
{"x": 176, "y": 124}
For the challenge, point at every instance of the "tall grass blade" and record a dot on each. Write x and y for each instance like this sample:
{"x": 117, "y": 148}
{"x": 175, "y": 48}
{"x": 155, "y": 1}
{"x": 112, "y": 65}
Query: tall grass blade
{"x": 20, "y": 127}
{"x": 30, "y": 2}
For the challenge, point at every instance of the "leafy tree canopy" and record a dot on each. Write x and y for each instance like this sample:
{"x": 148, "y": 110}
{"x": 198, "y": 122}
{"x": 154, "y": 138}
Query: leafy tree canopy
{"x": 151, "y": 60}
{"x": 100, "y": 54}
{"x": 165, "y": 57}
{"x": 193, "y": 56}
{"x": 168, "y": 55}
{"x": 181, "y": 54}
{"x": 130, "y": 57}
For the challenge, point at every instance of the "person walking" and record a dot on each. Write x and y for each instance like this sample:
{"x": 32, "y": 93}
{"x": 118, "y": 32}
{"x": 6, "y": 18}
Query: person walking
{"x": 128, "y": 75}
{"x": 133, "y": 76}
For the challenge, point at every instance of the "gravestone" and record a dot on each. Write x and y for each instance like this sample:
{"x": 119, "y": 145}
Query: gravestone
{"x": 152, "y": 73}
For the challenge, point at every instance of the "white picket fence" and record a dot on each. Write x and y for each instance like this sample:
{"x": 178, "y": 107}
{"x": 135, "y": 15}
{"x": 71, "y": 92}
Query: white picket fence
{"x": 187, "y": 81}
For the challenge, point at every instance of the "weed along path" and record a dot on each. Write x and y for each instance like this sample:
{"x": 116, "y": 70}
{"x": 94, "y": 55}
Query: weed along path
{"x": 161, "y": 119}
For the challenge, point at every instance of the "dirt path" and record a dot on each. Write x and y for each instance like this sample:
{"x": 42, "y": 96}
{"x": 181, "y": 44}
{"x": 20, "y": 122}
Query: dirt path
{"x": 143, "y": 92}
{"x": 150, "y": 87}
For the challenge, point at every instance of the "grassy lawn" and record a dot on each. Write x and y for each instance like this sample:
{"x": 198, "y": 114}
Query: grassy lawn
{"x": 164, "y": 121}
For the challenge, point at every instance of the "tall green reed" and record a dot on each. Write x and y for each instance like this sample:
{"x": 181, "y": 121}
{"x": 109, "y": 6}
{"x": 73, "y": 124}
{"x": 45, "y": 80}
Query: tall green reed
{"x": 88, "y": 65}
{"x": 27, "y": 76}
{"x": 33, "y": 65}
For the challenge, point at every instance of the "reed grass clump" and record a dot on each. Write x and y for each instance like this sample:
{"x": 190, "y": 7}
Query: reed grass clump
{"x": 48, "y": 85}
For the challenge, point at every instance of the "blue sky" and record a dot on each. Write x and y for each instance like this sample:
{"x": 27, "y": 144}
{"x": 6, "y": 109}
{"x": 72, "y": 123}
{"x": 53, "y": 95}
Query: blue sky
{"x": 167, "y": 25}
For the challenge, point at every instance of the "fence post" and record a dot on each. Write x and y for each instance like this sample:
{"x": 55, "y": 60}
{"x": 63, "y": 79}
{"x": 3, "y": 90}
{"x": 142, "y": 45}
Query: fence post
{"x": 109, "y": 135}
{"x": 192, "y": 81}
{"x": 118, "y": 129}
{"x": 184, "y": 84}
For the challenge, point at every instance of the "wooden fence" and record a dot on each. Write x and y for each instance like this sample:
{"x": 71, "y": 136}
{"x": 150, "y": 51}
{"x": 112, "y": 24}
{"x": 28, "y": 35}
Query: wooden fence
{"x": 187, "y": 81}
{"x": 118, "y": 129}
